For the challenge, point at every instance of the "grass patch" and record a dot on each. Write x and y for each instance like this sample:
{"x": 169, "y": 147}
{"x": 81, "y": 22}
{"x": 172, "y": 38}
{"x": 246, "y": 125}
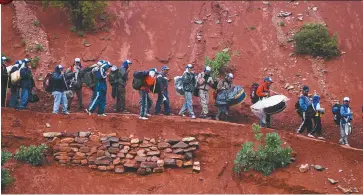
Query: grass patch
{"x": 252, "y": 28}
{"x": 36, "y": 23}
{"x": 6, "y": 178}
{"x": 22, "y": 42}
{"x": 80, "y": 33}
{"x": 73, "y": 29}
{"x": 35, "y": 62}
{"x": 219, "y": 63}
{"x": 282, "y": 24}
{"x": 33, "y": 155}
{"x": 39, "y": 47}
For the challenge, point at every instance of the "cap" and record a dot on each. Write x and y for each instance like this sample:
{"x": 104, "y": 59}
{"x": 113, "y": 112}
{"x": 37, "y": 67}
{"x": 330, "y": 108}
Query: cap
{"x": 60, "y": 66}
{"x": 128, "y": 61}
{"x": 189, "y": 66}
{"x": 77, "y": 60}
{"x": 3, "y": 58}
{"x": 305, "y": 88}
{"x": 153, "y": 69}
{"x": 165, "y": 68}
{"x": 100, "y": 62}
{"x": 207, "y": 68}
{"x": 230, "y": 75}
{"x": 346, "y": 99}
{"x": 267, "y": 79}
{"x": 26, "y": 60}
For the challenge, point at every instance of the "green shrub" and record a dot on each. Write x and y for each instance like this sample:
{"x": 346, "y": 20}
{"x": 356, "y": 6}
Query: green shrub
{"x": 5, "y": 156}
{"x": 22, "y": 42}
{"x": 83, "y": 13}
{"x": 73, "y": 29}
{"x": 6, "y": 178}
{"x": 252, "y": 28}
{"x": 266, "y": 157}
{"x": 80, "y": 33}
{"x": 35, "y": 62}
{"x": 38, "y": 47}
{"x": 33, "y": 154}
{"x": 36, "y": 23}
{"x": 314, "y": 39}
{"x": 218, "y": 63}
{"x": 282, "y": 24}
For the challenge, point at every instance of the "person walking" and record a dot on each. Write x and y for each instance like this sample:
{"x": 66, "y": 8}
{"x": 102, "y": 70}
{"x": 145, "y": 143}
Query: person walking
{"x": 4, "y": 80}
{"x": 346, "y": 116}
{"x": 305, "y": 109}
{"x": 145, "y": 100}
{"x": 15, "y": 87}
{"x": 163, "y": 96}
{"x": 204, "y": 81}
{"x": 263, "y": 91}
{"x": 26, "y": 83}
{"x": 189, "y": 83}
{"x": 59, "y": 86}
{"x": 74, "y": 74}
{"x": 224, "y": 84}
{"x": 317, "y": 118}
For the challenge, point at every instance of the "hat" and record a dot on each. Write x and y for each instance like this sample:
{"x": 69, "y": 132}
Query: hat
{"x": 267, "y": 79}
{"x": 230, "y": 75}
{"x": 19, "y": 62}
{"x": 3, "y": 58}
{"x": 346, "y": 99}
{"x": 207, "y": 68}
{"x": 60, "y": 66}
{"x": 77, "y": 60}
{"x": 26, "y": 60}
{"x": 305, "y": 88}
{"x": 165, "y": 68}
{"x": 189, "y": 66}
{"x": 100, "y": 62}
{"x": 128, "y": 61}
{"x": 153, "y": 69}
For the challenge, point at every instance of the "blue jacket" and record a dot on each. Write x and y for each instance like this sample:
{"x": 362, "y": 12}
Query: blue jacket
{"x": 58, "y": 81}
{"x": 304, "y": 103}
{"x": 101, "y": 75}
{"x": 26, "y": 76}
{"x": 345, "y": 113}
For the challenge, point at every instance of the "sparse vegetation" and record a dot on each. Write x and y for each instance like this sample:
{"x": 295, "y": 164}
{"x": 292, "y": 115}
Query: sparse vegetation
{"x": 22, "y": 42}
{"x": 33, "y": 154}
{"x": 35, "y": 62}
{"x": 282, "y": 23}
{"x": 236, "y": 53}
{"x": 266, "y": 157}
{"x": 6, "y": 178}
{"x": 83, "y": 13}
{"x": 39, "y": 47}
{"x": 36, "y": 23}
{"x": 252, "y": 28}
{"x": 73, "y": 29}
{"x": 80, "y": 33}
{"x": 219, "y": 63}
{"x": 314, "y": 39}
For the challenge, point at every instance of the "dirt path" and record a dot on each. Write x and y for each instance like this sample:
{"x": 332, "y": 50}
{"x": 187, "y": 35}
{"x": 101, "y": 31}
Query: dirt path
{"x": 219, "y": 144}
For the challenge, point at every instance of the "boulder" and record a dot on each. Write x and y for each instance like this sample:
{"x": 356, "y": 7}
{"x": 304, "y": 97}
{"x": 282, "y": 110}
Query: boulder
{"x": 158, "y": 170}
{"x": 153, "y": 153}
{"x": 163, "y": 145}
{"x": 84, "y": 149}
{"x": 81, "y": 140}
{"x": 102, "y": 168}
{"x": 84, "y": 134}
{"x": 153, "y": 141}
{"x": 148, "y": 165}
{"x": 52, "y": 134}
{"x": 169, "y": 162}
{"x": 304, "y": 168}
{"x": 125, "y": 139}
{"x": 119, "y": 169}
{"x": 140, "y": 158}
{"x": 179, "y": 145}
{"x": 141, "y": 153}
{"x": 114, "y": 139}
{"x": 67, "y": 140}
{"x": 160, "y": 163}
{"x": 113, "y": 150}
{"x": 174, "y": 156}
{"x": 178, "y": 151}
{"x": 94, "y": 138}
{"x": 179, "y": 163}
{"x": 188, "y": 139}
{"x": 129, "y": 156}
{"x": 104, "y": 160}
{"x": 116, "y": 161}
{"x": 188, "y": 163}
{"x": 135, "y": 141}
{"x": 131, "y": 163}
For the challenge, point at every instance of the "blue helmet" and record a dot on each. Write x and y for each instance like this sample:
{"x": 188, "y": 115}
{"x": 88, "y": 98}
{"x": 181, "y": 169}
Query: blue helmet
{"x": 165, "y": 67}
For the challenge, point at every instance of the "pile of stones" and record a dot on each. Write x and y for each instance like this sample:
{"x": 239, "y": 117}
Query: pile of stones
{"x": 123, "y": 154}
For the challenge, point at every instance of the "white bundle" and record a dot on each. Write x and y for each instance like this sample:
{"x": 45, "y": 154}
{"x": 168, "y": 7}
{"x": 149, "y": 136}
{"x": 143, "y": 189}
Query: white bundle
{"x": 258, "y": 107}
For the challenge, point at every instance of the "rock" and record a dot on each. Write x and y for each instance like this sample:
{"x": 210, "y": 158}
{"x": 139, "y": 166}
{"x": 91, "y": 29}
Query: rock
{"x": 67, "y": 140}
{"x": 174, "y": 156}
{"x": 75, "y": 145}
{"x": 290, "y": 88}
{"x": 112, "y": 135}
{"x": 168, "y": 150}
{"x": 60, "y": 153}
{"x": 119, "y": 169}
{"x": 105, "y": 138}
{"x": 172, "y": 141}
{"x": 292, "y": 159}
{"x": 107, "y": 153}
{"x": 158, "y": 170}
{"x": 64, "y": 161}
{"x": 188, "y": 163}
{"x": 63, "y": 145}
{"x": 87, "y": 44}
{"x": 199, "y": 37}
{"x": 140, "y": 158}
{"x": 84, "y": 149}
{"x": 133, "y": 152}
{"x": 141, "y": 153}
{"x": 79, "y": 156}
{"x": 62, "y": 157}
{"x": 180, "y": 145}
{"x": 265, "y": 2}
{"x": 129, "y": 156}
{"x": 84, "y": 133}
{"x": 196, "y": 167}
{"x": 153, "y": 141}
{"x": 179, "y": 163}
{"x": 319, "y": 168}
{"x": 134, "y": 145}
{"x": 229, "y": 21}
{"x": 100, "y": 153}
{"x": 110, "y": 168}
{"x": 153, "y": 148}
{"x": 188, "y": 139}
{"x": 218, "y": 22}
{"x": 47, "y": 125}
{"x": 190, "y": 149}
{"x": 125, "y": 139}
{"x": 92, "y": 166}
{"x": 127, "y": 148}
{"x": 315, "y": 8}
{"x": 160, "y": 163}
{"x": 106, "y": 143}
{"x": 169, "y": 162}
{"x": 81, "y": 140}
{"x": 300, "y": 18}
{"x": 114, "y": 139}
{"x": 188, "y": 156}
{"x": 163, "y": 145}
{"x": 153, "y": 153}
{"x": 154, "y": 159}
{"x": 286, "y": 85}
{"x": 332, "y": 181}
{"x": 115, "y": 145}
{"x": 135, "y": 141}
{"x": 52, "y": 134}
{"x": 94, "y": 138}
{"x": 194, "y": 143}
{"x": 91, "y": 160}
{"x": 84, "y": 162}
{"x": 198, "y": 21}
{"x": 76, "y": 161}
{"x": 145, "y": 145}
{"x": 148, "y": 165}
{"x": 293, "y": 154}
{"x": 142, "y": 171}
{"x": 120, "y": 155}
{"x": 343, "y": 52}
{"x": 340, "y": 170}
{"x": 178, "y": 151}
{"x": 304, "y": 168}
{"x": 102, "y": 168}
{"x": 116, "y": 161}
{"x": 125, "y": 143}
{"x": 64, "y": 149}
{"x": 345, "y": 190}
{"x": 147, "y": 138}
{"x": 148, "y": 158}
{"x": 104, "y": 160}
{"x": 113, "y": 150}
{"x": 284, "y": 14}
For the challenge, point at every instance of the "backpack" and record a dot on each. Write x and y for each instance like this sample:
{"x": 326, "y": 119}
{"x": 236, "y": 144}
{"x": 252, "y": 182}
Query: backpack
{"x": 138, "y": 79}
{"x": 89, "y": 77}
{"x": 47, "y": 83}
{"x": 253, "y": 90}
{"x": 336, "y": 113}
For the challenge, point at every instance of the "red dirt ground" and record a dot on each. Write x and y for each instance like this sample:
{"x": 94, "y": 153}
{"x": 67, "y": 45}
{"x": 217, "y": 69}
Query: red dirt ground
{"x": 219, "y": 142}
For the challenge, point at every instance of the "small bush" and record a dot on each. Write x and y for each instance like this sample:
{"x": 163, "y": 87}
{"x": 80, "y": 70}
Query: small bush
{"x": 314, "y": 39}
{"x": 252, "y": 28}
{"x": 73, "y": 29}
{"x": 33, "y": 154}
{"x": 36, "y": 23}
{"x": 5, "y": 156}
{"x": 218, "y": 63}
{"x": 282, "y": 24}
{"x": 22, "y": 42}
{"x": 266, "y": 157}
{"x": 35, "y": 62}
{"x": 80, "y": 33}
{"x": 39, "y": 47}
{"x": 6, "y": 178}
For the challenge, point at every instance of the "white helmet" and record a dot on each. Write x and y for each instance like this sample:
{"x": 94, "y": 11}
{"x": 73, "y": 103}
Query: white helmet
{"x": 207, "y": 68}
{"x": 346, "y": 99}
{"x": 230, "y": 75}
{"x": 77, "y": 60}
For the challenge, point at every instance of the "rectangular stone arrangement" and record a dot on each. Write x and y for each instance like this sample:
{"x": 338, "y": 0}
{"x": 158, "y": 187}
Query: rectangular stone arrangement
{"x": 123, "y": 154}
